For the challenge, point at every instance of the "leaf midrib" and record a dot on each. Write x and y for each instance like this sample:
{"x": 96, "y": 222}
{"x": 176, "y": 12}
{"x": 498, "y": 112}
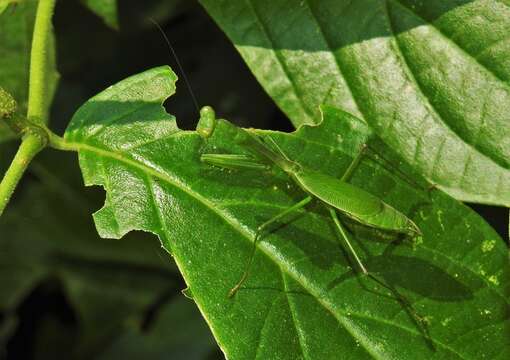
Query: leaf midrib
{"x": 341, "y": 317}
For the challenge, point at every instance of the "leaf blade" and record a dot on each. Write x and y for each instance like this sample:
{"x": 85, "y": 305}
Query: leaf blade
{"x": 159, "y": 185}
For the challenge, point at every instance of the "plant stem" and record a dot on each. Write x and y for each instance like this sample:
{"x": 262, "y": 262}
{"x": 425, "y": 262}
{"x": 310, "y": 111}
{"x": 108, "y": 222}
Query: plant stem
{"x": 39, "y": 61}
{"x": 30, "y": 146}
{"x": 35, "y": 139}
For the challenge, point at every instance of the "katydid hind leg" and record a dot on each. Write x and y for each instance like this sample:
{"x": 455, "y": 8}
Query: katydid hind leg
{"x": 378, "y": 158}
{"x": 416, "y": 318}
{"x": 345, "y": 237}
{"x": 419, "y": 321}
{"x": 258, "y": 235}
{"x": 363, "y": 153}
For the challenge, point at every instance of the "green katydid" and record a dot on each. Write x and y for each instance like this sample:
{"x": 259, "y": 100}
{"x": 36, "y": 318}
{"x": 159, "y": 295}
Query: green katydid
{"x": 354, "y": 202}
{"x": 335, "y": 194}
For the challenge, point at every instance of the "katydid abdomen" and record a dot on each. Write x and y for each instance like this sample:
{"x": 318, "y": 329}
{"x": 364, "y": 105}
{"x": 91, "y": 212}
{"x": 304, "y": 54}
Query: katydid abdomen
{"x": 355, "y": 202}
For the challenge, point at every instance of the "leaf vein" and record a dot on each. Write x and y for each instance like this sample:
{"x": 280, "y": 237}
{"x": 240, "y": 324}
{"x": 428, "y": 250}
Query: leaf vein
{"x": 259, "y": 342}
{"x": 177, "y": 133}
{"x": 105, "y": 125}
{"x": 337, "y": 62}
{"x": 300, "y": 334}
{"x": 425, "y": 96}
{"x": 449, "y": 39}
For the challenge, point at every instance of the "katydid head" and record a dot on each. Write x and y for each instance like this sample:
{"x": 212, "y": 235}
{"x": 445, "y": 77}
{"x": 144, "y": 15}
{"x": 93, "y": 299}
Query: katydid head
{"x": 206, "y": 123}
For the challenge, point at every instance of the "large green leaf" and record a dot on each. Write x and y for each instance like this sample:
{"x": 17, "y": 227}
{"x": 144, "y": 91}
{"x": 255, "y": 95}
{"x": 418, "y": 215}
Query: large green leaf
{"x": 16, "y": 27}
{"x": 46, "y": 234}
{"x": 431, "y": 77}
{"x": 302, "y": 299}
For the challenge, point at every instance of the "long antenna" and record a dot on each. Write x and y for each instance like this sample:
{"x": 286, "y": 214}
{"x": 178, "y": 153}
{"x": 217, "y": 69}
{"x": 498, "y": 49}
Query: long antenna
{"x": 188, "y": 84}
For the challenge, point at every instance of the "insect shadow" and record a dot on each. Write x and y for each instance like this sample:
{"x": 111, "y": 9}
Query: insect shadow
{"x": 325, "y": 254}
{"x": 409, "y": 272}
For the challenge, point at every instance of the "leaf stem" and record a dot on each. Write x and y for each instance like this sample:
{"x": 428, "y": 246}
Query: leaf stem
{"x": 38, "y": 62}
{"x": 30, "y": 146}
{"x": 59, "y": 143}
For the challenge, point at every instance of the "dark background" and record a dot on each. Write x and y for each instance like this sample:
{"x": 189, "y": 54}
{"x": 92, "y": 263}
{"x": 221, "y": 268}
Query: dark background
{"x": 91, "y": 56}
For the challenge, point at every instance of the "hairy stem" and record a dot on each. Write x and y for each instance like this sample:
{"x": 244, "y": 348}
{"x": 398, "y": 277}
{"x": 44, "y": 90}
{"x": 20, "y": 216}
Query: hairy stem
{"x": 38, "y": 62}
{"x": 30, "y": 146}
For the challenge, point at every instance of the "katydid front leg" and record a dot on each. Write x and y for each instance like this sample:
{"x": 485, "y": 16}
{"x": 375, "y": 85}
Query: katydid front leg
{"x": 260, "y": 230}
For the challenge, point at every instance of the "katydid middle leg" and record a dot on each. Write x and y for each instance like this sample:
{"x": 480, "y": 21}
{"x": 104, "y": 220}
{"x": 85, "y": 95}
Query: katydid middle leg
{"x": 354, "y": 164}
{"x": 395, "y": 170}
{"x": 343, "y": 233}
{"x": 260, "y": 230}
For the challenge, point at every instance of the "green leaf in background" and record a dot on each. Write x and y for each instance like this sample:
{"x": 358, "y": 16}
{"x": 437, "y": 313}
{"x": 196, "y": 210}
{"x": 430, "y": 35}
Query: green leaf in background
{"x": 47, "y": 234}
{"x": 302, "y": 299}
{"x": 106, "y": 10}
{"x": 16, "y": 27}
{"x": 432, "y": 78}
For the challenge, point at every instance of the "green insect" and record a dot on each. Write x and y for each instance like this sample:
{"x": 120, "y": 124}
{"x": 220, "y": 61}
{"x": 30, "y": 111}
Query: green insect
{"x": 335, "y": 194}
